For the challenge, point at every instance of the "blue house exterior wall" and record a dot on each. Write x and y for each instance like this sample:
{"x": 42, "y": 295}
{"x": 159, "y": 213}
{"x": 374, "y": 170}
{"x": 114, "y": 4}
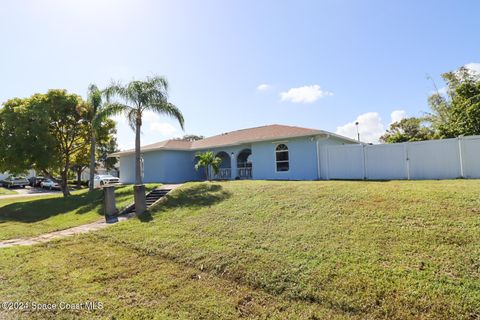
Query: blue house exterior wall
{"x": 127, "y": 168}
{"x": 306, "y": 161}
{"x": 161, "y": 166}
{"x": 302, "y": 160}
{"x": 169, "y": 166}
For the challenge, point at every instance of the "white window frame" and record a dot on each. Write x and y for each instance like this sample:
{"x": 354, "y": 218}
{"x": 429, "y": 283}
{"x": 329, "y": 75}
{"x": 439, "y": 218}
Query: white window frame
{"x": 281, "y": 161}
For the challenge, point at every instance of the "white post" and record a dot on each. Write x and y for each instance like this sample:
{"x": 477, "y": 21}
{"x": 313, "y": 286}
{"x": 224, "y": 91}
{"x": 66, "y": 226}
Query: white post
{"x": 327, "y": 166}
{"x": 407, "y": 160}
{"x": 460, "y": 155}
{"x": 233, "y": 165}
{"x": 364, "y": 162}
{"x": 318, "y": 161}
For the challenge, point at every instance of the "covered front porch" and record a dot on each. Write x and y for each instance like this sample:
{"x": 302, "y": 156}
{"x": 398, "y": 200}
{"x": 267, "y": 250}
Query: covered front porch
{"x": 235, "y": 165}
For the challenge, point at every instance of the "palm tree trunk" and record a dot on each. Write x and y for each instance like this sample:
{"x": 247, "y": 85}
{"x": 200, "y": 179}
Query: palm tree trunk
{"x": 92, "y": 162}
{"x": 139, "y": 188}
{"x": 138, "y": 169}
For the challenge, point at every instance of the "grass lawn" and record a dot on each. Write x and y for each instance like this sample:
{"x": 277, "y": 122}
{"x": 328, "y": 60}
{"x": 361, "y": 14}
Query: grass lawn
{"x": 5, "y": 191}
{"x": 256, "y": 249}
{"x": 24, "y": 217}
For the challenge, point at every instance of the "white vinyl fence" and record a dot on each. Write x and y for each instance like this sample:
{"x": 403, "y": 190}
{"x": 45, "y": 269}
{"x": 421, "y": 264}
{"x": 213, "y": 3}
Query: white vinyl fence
{"x": 433, "y": 159}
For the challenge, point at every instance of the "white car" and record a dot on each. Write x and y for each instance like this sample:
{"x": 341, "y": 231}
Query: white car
{"x": 50, "y": 184}
{"x": 103, "y": 180}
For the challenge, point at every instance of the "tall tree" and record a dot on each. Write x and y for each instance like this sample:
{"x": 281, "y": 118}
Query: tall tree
{"x": 107, "y": 144}
{"x": 24, "y": 141}
{"x": 43, "y": 132}
{"x": 95, "y": 120}
{"x": 80, "y": 161}
{"x": 458, "y": 111}
{"x": 68, "y": 126}
{"x": 408, "y": 129}
{"x": 104, "y": 142}
{"x": 134, "y": 99}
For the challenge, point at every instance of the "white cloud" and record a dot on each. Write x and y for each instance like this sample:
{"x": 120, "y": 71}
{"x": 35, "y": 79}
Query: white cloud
{"x": 370, "y": 126}
{"x": 305, "y": 94}
{"x": 164, "y": 128}
{"x": 264, "y": 87}
{"x": 154, "y": 125}
{"x": 475, "y": 67}
{"x": 397, "y": 115}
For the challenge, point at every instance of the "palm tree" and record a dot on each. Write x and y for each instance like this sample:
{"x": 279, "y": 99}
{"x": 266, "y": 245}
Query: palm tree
{"x": 95, "y": 116}
{"x": 208, "y": 160}
{"x": 135, "y": 98}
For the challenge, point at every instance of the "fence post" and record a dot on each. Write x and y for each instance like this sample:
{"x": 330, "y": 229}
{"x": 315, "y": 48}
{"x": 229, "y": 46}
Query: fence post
{"x": 460, "y": 155}
{"x": 365, "y": 173}
{"x": 319, "y": 173}
{"x": 327, "y": 163}
{"x": 407, "y": 160}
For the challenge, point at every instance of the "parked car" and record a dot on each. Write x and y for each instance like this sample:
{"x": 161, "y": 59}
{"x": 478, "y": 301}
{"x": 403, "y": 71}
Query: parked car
{"x": 13, "y": 181}
{"x": 50, "y": 184}
{"x": 102, "y": 180}
{"x": 36, "y": 181}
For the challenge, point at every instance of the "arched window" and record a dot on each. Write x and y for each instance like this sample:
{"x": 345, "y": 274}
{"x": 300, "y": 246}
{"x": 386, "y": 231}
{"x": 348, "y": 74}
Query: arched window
{"x": 281, "y": 157}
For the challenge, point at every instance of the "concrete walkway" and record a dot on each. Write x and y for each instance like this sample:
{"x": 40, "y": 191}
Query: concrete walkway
{"x": 100, "y": 224}
{"x": 54, "y": 235}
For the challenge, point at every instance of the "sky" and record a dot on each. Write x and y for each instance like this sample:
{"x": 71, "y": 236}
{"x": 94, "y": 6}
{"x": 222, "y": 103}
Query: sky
{"x": 240, "y": 64}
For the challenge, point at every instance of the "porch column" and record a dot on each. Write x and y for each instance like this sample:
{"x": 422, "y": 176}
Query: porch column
{"x": 233, "y": 165}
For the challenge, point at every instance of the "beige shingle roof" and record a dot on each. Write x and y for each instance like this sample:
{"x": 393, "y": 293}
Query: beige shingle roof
{"x": 264, "y": 133}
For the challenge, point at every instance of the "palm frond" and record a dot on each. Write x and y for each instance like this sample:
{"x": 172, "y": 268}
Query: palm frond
{"x": 116, "y": 89}
{"x": 132, "y": 118}
{"x": 158, "y": 82}
{"x": 151, "y": 94}
{"x": 94, "y": 97}
{"x": 113, "y": 109}
{"x": 168, "y": 109}
{"x": 157, "y": 88}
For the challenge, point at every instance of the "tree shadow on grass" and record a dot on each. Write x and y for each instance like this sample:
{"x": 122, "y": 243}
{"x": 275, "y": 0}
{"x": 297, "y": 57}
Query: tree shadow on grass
{"x": 196, "y": 196}
{"x": 41, "y": 209}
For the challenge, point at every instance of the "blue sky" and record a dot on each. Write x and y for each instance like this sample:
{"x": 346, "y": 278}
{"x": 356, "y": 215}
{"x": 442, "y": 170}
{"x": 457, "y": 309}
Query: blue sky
{"x": 325, "y": 64}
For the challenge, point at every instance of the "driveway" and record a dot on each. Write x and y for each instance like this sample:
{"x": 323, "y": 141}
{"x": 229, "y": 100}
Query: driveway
{"x": 30, "y": 192}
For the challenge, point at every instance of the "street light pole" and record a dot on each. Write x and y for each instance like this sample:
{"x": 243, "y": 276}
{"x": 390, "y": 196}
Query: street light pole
{"x": 358, "y": 133}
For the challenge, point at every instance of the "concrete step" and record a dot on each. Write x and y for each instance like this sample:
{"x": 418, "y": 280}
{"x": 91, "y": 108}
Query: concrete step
{"x": 152, "y": 197}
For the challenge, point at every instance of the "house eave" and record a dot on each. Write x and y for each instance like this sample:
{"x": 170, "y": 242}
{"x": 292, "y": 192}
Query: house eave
{"x": 239, "y": 143}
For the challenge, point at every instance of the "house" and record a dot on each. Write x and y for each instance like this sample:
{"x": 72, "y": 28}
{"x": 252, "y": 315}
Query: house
{"x": 273, "y": 152}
